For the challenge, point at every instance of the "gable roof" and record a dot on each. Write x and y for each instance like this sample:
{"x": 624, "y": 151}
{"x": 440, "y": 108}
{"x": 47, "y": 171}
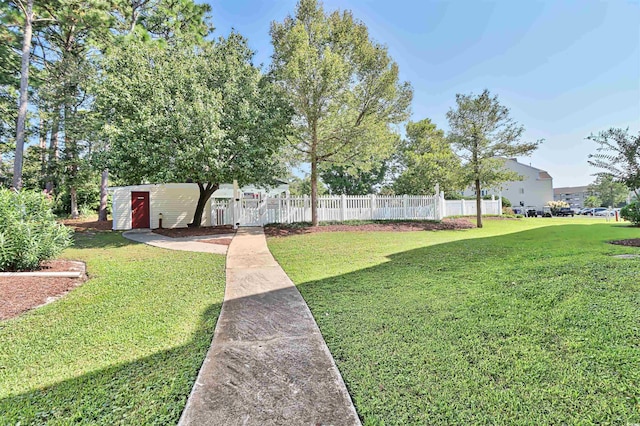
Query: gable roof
{"x": 547, "y": 175}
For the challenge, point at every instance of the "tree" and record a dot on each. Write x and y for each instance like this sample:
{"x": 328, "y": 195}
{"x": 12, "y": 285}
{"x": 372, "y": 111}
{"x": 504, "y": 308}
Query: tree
{"x": 302, "y": 186}
{"x": 482, "y": 131}
{"x": 426, "y": 159}
{"x": 610, "y": 192}
{"x": 342, "y": 180}
{"x": 343, "y": 87}
{"x": 184, "y": 113}
{"x": 29, "y": 19}
{"x": 618, "y": 154}
{"x": 592, "y": 201}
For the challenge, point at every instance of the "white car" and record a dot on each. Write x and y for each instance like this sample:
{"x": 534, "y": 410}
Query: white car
{"x": 603, "y": 212}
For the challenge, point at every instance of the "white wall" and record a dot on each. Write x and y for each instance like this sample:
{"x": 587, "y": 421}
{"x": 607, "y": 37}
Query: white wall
{"x": 177, "y": 203}
{"x": 534, "y": 190}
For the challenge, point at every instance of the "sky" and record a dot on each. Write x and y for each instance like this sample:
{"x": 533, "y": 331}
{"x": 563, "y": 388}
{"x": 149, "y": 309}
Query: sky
{"x": 565, "y": 69}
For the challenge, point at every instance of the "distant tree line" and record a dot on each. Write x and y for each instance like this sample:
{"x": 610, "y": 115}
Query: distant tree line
{"x": 140, "y": 91}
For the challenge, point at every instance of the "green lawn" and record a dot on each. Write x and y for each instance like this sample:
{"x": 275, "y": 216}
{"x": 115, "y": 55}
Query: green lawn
{"x": 521, "y": 322}
{"x": 124, "y": 348}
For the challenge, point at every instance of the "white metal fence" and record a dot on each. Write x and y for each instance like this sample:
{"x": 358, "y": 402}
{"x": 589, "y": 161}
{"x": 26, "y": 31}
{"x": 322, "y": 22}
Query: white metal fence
{"x": 257, "y": 212}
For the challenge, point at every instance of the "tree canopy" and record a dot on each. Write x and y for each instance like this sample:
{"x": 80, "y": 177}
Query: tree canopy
{"x": 425, "y": 159}
{"x": 203, "y": 115}
{"x": 344, "y": 89}
{"x": 618, "y": 155}
{"x": 343, "y": 180}
{"x": 609, "y": 192}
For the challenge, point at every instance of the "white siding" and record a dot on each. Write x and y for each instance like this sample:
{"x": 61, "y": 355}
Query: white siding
{"x": 534, "y": 190}
{"x": 176, "y": 202}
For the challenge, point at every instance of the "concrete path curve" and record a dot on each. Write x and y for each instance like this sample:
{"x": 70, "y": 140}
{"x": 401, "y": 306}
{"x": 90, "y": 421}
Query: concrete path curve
{"x": 268, "y": 363}
{"x": 183, "y": 243}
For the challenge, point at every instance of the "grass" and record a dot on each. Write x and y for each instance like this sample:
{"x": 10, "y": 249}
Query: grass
{"x": 124, "y": 348}
{"x": 521, "y": 322}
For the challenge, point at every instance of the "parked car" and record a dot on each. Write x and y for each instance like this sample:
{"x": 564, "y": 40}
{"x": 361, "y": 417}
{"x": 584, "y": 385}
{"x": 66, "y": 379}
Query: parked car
{"x": 603, "y": 212}
{"x": 532, "y": 211}
{"x": 586, "y": 211}
{"x": 564, "y": 211}
{"x": 595, "y": 211}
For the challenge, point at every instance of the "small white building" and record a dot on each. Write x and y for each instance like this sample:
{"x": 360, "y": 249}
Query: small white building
{"x": 140, "y": 206}
{"x": 535, "y": 190}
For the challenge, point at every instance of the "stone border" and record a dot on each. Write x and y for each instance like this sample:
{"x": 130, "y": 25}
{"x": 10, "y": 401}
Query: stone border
{"x": 57, "y": 274}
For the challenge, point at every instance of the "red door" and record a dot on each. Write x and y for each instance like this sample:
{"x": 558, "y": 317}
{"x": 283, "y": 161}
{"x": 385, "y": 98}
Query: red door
{"x": 140, "y": 210}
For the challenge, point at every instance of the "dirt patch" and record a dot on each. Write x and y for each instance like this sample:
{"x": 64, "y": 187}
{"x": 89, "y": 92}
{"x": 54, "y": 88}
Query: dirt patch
{"x": 220, "y": 241}
{"x": 83, "y": 225}
{"x": 279, "y": 230}
{"x": 632, "y": 242}
{"x": 194, "y": 232}
{"x": 20, "y": 294}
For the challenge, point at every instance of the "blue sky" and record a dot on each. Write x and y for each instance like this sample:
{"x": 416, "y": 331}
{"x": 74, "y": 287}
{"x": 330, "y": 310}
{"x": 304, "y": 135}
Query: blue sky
{"x": 564, "y": 68}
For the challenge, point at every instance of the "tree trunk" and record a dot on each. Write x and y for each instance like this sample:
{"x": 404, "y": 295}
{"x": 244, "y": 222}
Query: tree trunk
{"x": 42, "y": 130}
{"x": 74, "y": 202}
{"x": 314, "y": 176}
{"x": 478, "y": 205}
{"x": 53, "y": 152}
{"x": 314, "y": 192}
{"x": 104, "y": 181}
{"x": 206, "y": 191}
{"x": 71, "y": 148}
{"x": 24, "y": 96}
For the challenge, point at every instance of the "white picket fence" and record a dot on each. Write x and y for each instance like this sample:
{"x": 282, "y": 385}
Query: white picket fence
{"x": 257, "y": 212}
{"x": 468, "y": 207}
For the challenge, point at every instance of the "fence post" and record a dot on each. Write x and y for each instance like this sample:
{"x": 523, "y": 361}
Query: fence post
{"x": 464, "y": 211}
{"x": 373, "y": 206}
{"x": 279, "y": 220}
{"x": 343, "y": 207}
{"x": 304, "y": 209}
{"x": 443, "y": 205}
{"x": 405, "y": 204}
{"x": 500, "y": 206}
{"x": 288, "y": 204}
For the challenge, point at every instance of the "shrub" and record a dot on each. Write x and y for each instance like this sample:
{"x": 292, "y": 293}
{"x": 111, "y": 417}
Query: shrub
{"x": 508, "y": 211}
{"x": 557, "y": 205}
{"x": 631, "y": 213}
{"x": 29, "y": 232}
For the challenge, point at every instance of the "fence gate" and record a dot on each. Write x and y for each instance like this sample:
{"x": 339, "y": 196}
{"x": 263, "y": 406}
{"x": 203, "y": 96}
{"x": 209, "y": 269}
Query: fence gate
{"x": 251, "y": 211}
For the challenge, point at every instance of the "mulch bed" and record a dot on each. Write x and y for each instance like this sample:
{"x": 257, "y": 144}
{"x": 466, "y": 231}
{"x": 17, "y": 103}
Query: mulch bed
{"x": 81, "y": 225}
{"x": 632, "y": 242}
{"x": 447, "y": 224}
{"x": 20, "y": 294}
{"x": 194, "y": 232}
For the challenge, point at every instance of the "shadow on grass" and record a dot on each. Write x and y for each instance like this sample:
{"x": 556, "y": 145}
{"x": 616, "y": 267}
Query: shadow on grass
{"x": 102, "y": 239}
{"x": 533, "y": 327}
{"x": 488, "y": 330}
{"x": 150, "y": 390}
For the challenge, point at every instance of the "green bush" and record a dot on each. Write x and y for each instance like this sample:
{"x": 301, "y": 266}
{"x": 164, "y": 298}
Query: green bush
{"x": 29, "y": 232}
{"x": 631, "y": 213}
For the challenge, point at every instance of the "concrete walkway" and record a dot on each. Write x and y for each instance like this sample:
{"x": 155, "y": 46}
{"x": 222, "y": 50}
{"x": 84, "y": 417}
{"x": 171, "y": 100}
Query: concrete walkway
{"x": 268, "y": 363}
{"x": 183, "y": 243}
